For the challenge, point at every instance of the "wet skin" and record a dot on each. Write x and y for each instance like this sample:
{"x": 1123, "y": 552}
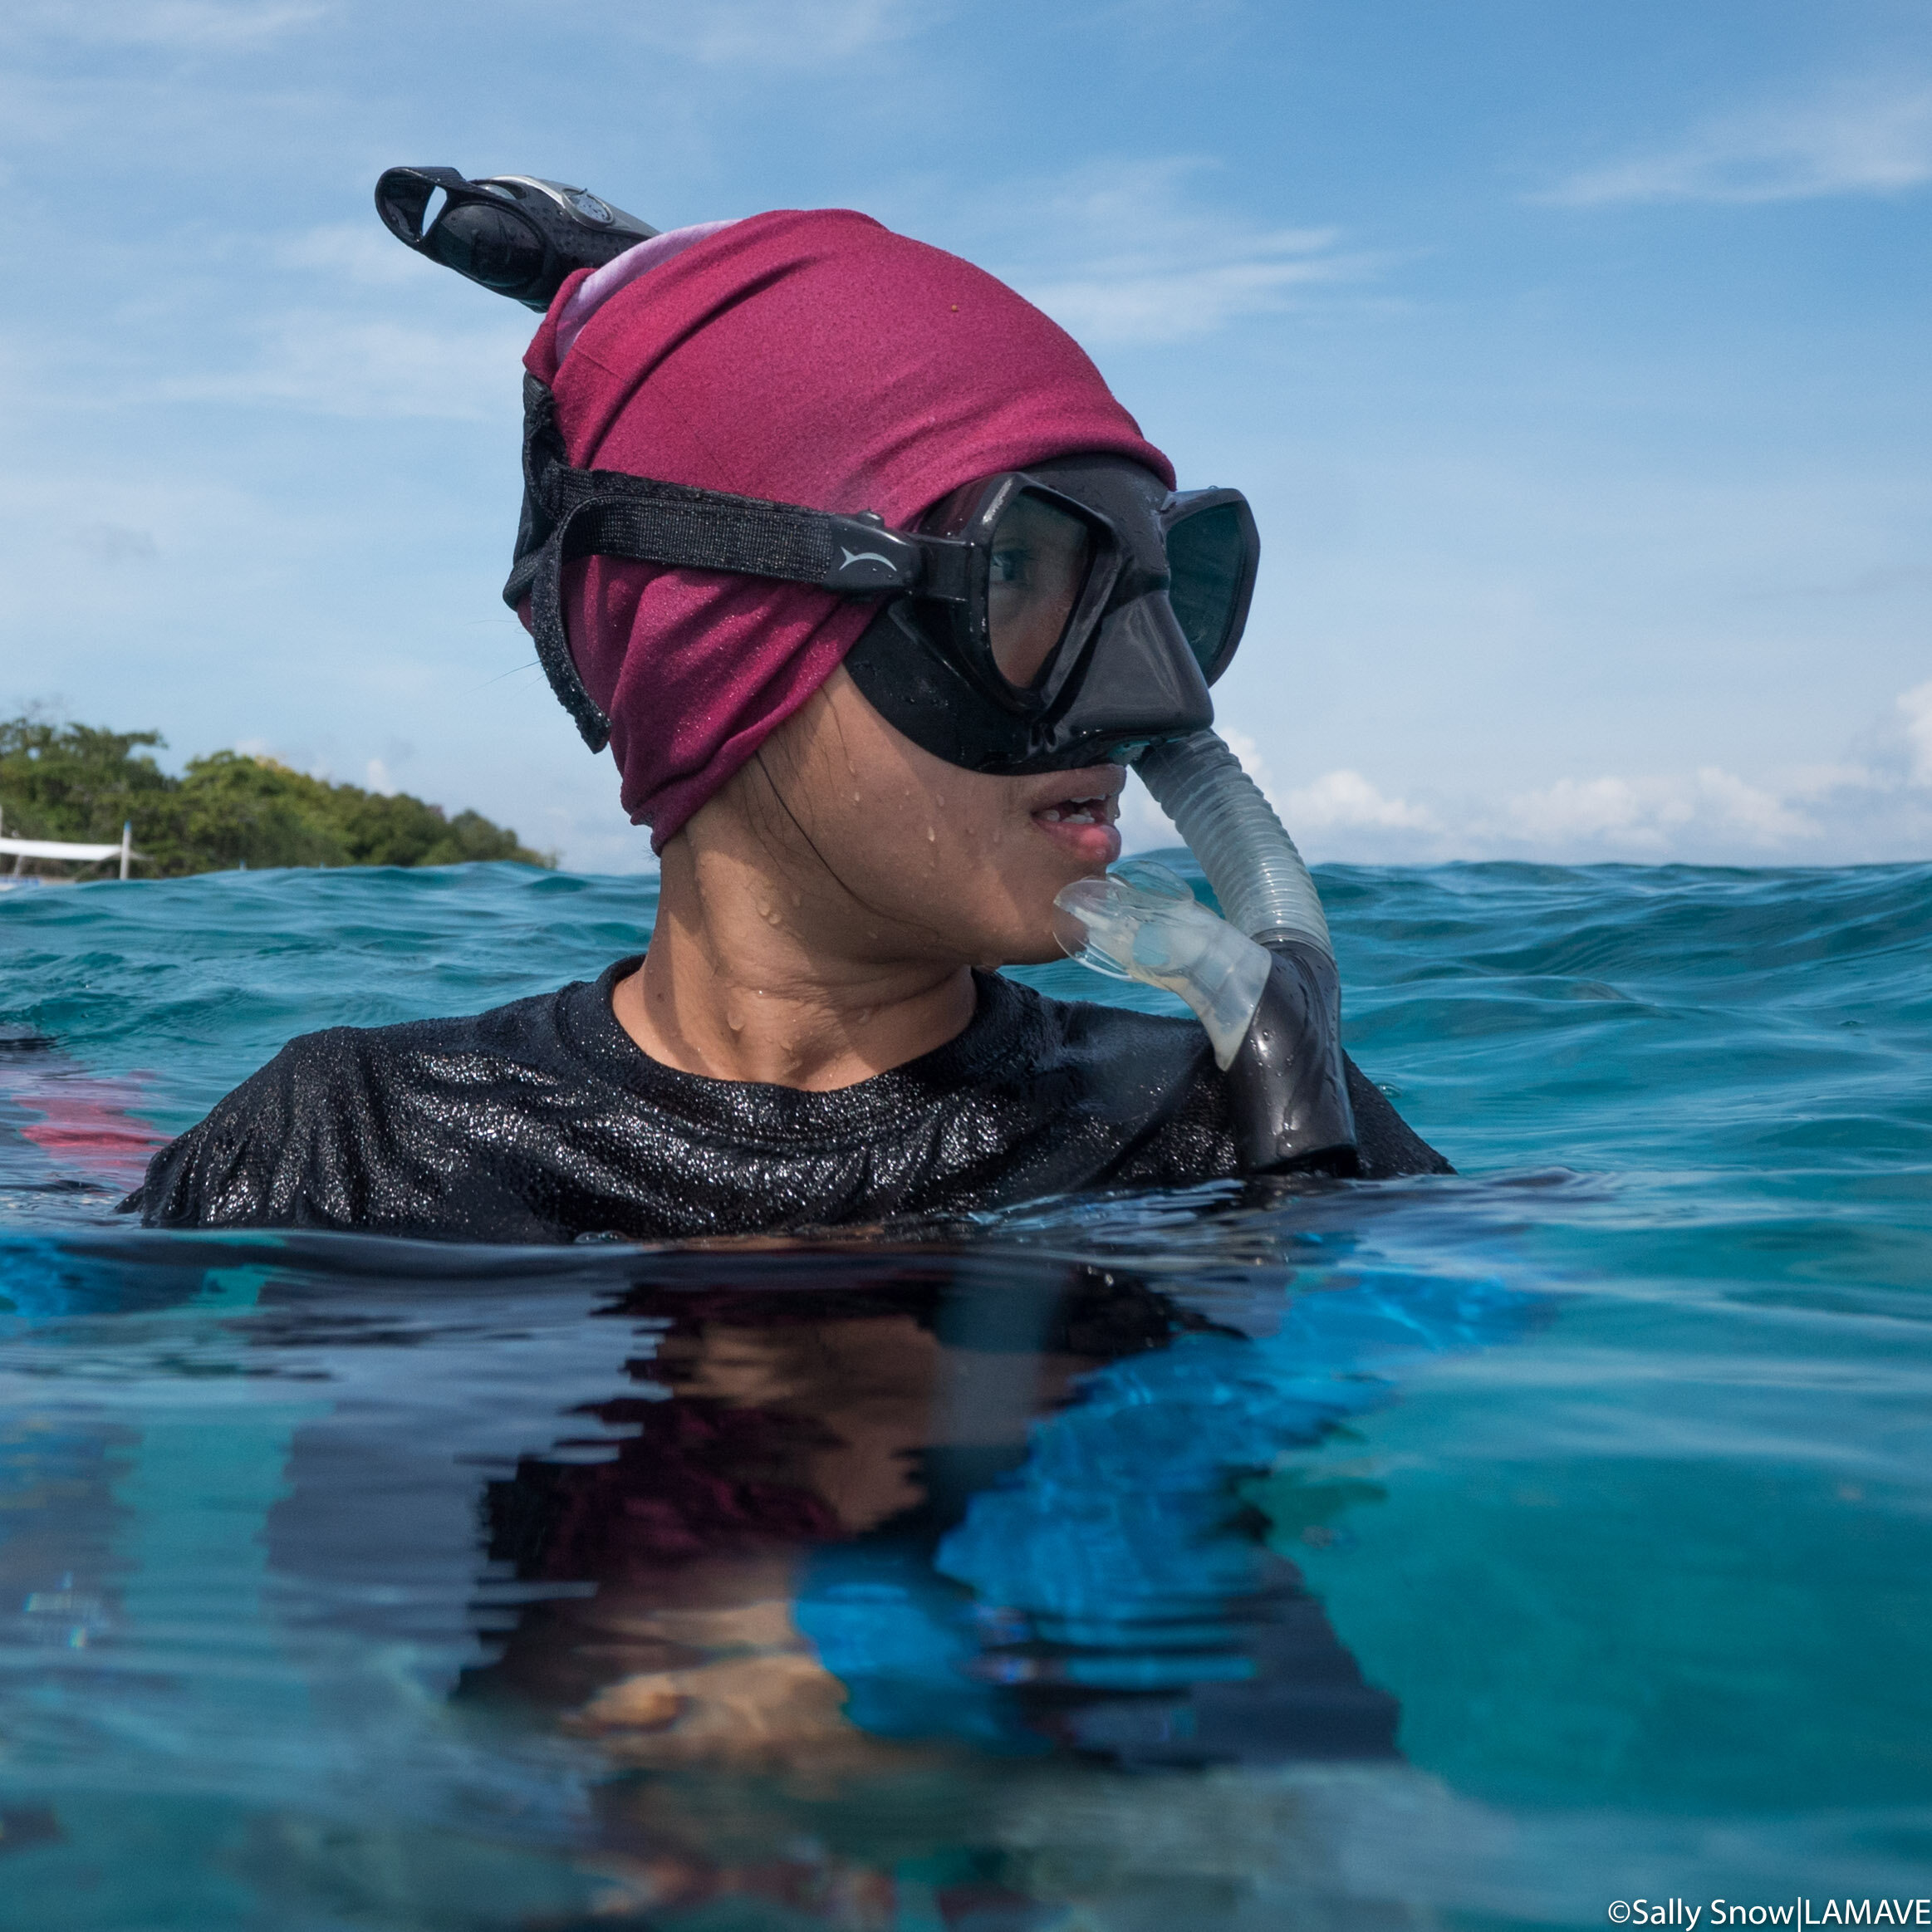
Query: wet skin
{"x": 819, "y": 918}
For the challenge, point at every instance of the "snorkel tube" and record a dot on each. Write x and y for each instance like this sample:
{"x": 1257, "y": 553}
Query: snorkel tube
{"x": 1288, "y": 1082}
{"x": 1263, "y": 980}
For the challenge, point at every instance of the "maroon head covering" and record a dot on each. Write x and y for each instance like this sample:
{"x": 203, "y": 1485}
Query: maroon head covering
{"x": 812, "y": 358}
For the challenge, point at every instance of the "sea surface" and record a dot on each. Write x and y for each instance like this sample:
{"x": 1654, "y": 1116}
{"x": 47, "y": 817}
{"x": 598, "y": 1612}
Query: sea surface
{"x": 1505, "y": 1550}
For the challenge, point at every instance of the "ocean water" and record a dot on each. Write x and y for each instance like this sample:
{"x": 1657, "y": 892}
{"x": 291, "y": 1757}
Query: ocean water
{"x": 1505, "y": 1550}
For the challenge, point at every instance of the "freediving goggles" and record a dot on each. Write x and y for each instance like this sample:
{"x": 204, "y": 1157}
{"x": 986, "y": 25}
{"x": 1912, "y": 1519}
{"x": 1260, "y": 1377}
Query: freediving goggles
{"x": 1068, "y": 615}
{"x": 516, "y": 234}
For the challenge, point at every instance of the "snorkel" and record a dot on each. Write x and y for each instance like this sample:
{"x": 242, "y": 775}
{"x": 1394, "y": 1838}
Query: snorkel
{"x": 1269, "y": 982}
{"x": 1111, "y": 661}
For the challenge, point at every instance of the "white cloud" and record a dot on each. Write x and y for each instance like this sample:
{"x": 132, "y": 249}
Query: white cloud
{"x": 1872, "y": 137}
{"x": 332, "y": 366}
{"x": 1122, "y": 252}
{"x": 1874, "y": 805}
{"x": 187, "y": 25}
{"x": 1344, "y": 800}
{"x": 1334, "y": 805}
{"x": 1145, "y": 827}
{"x": 1915, "y": 708}
{"x": 1652, "y": 814}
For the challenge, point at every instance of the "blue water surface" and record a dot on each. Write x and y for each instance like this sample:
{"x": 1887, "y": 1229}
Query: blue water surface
{"x": 1466, "y": 1552}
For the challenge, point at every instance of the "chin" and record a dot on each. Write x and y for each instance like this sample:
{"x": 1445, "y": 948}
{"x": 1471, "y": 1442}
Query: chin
{"x": 1038, "y": 949}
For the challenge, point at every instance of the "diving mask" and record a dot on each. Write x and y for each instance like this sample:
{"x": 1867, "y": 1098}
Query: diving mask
{"x": 1068, "y": 615}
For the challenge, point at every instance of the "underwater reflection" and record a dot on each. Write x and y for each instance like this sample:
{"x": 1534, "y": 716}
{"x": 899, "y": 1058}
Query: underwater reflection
{"x": 69, "y": 1137}
{"x": 878, "y": 1556}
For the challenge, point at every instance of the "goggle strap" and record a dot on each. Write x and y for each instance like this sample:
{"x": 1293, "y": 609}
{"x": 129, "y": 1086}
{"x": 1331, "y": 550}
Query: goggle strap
{"x": 605, "y": 513}
{"x": 681, "y": 526}
{"x": 543, "y": 584}
{"x": 687, "y": 528}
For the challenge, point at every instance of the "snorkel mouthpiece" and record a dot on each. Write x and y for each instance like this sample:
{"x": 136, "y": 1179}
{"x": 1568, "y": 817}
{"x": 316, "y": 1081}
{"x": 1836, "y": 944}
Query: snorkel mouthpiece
{"x": 1142, "y": 923}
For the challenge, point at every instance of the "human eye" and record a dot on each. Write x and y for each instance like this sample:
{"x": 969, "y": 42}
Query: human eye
{"x": 1012, "y": 564}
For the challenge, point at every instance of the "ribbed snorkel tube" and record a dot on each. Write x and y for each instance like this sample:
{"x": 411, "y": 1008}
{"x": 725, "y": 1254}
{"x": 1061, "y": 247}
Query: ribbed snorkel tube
{"x": 1230, "y": 827}
{"x": 1288, "y": 1083}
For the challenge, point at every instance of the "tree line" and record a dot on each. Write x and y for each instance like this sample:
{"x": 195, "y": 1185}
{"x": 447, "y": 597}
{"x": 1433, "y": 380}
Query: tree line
{"x": 79, "y": 781}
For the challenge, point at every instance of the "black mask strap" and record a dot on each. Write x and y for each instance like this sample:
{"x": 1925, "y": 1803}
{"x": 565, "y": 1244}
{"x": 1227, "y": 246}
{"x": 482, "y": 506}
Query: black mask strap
{"x": 545, "y": 590}
{"x": 569, "y": 513}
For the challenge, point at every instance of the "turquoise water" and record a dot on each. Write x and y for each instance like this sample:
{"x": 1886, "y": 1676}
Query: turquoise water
{"x": 1473, "y": 1552}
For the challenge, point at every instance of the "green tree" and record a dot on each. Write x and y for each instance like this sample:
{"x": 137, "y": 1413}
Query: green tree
{"x": 232, "y": 810}
{"x": 402, "y": 830}
{"x": 76, "y": 782}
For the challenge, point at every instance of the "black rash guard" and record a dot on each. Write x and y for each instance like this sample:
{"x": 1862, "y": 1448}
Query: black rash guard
{"x": 542, "y": 1121}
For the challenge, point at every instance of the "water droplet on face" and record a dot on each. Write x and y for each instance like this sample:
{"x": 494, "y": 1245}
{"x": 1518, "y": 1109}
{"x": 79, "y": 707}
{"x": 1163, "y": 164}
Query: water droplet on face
{"x": 932, "y": 837}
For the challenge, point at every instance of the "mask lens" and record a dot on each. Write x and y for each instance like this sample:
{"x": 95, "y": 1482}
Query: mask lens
{"x": 1207, "y": 557}
{"x": 495, "y": 246}
{"x": 1039, "y": 569}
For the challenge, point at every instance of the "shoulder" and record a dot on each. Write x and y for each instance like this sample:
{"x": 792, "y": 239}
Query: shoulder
{"x": 1118, "y": 1098}
{"x": 529, "y": 1033}
{"x": 1088, "y": 1020}
{"x": 1159, "y": 1071}
{"x": 345, "y": 1066}
{"x": 1147, "y": 1050}
{"x": 341, "y": 1118}
{"x": 1385, "y": 1144}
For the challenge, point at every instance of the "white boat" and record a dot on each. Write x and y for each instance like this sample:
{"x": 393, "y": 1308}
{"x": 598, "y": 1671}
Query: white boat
{"x": 22, "y": 850}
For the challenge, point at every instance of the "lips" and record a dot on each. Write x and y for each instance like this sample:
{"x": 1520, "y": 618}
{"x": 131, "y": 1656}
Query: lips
{"x": 1081, "y": 817}
{"x": 1095, "y": 811}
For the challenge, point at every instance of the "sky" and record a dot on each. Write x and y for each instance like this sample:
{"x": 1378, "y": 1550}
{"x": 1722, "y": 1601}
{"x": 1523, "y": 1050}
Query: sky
{"x": 1574, "y": 357}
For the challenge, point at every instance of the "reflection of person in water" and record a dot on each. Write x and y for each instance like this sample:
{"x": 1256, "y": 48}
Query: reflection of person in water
{"x": 784, "y": 1551}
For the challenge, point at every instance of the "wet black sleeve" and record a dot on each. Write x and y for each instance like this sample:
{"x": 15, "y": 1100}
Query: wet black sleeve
{"x": 253, "y": 1162}
{"x": 309, "y": 1141}
{"x": 365, "y": 1129}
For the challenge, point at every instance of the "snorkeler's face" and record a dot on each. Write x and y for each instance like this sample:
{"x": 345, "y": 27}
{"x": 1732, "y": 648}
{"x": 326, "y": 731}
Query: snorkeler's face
{"x": 949, "y": 864}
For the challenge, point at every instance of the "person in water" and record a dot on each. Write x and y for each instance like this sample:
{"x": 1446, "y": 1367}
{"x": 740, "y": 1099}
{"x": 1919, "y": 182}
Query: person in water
{"x": 817, "y": 1034}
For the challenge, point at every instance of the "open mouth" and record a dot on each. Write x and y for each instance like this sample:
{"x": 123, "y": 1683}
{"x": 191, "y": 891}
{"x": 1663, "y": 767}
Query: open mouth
{"x": 1082, "y": 821}
{"x": 1102, "y": 808}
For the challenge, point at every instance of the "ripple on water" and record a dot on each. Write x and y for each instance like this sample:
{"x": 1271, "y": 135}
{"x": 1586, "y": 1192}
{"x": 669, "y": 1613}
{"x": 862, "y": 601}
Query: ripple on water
{"x": 1490, "y": 1546}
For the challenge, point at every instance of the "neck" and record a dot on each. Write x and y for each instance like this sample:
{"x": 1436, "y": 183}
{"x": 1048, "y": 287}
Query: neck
{"x": 750, "y": 978}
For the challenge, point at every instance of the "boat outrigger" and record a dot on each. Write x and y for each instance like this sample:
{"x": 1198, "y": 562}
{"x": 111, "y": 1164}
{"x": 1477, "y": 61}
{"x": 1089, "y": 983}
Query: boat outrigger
{"x": 68, "y": 852}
